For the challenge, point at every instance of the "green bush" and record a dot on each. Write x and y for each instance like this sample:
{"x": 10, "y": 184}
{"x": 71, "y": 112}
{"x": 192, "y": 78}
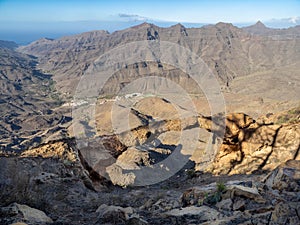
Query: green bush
{"x": 215, "y": 197}
{"x": 191, "y": 173}
{"x": 221, "y": 187}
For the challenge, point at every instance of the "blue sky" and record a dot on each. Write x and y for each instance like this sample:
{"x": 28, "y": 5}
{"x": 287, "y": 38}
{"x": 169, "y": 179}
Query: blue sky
{"x": 24, "y": 21}
{"x": 201, "y": 11}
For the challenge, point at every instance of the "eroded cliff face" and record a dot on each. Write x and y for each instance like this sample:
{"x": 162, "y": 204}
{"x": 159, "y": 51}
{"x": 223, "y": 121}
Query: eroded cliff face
{"x": 250, "y": 146}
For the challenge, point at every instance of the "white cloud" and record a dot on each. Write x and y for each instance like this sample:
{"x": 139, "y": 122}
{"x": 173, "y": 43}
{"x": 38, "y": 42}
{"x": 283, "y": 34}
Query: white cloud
{"x": 294, "y": 19}
{"x": 132, "y": 17}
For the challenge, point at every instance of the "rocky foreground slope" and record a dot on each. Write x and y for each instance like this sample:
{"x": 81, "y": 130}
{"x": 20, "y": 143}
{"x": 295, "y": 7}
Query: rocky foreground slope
{"x": 57, "y": 190}
{"x": 56, "y": 179}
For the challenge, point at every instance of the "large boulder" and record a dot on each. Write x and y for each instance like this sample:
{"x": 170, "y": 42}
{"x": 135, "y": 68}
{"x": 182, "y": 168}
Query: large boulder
{"x": 132, "y": 158}
{"x": 204, "y": 212}
{"x": 19, "y": 213}
{"x": 286, "y": 177}
{"x": 114, "y": 214}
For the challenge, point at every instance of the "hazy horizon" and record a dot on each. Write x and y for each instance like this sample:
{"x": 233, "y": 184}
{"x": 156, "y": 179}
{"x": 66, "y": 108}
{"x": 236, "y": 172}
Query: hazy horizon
{"x": 24, "y": 33}
{"x": 26, "y": 21}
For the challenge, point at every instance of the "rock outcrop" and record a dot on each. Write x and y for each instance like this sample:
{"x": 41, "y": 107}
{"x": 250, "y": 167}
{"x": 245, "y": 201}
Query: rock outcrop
{"x": 246, "y": 146}
{"x": 250, "y": 146}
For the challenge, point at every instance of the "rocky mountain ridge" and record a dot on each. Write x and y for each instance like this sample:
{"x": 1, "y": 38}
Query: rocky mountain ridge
{"x": 229, "y": 51}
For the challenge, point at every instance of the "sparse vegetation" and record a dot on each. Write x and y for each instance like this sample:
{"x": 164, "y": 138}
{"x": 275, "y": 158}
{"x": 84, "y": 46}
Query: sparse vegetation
{"x": 215, "y": 196}
{"x": 57, "y": 98}
{"x": 191, "y": 173}
{"x": 291, "y": 116}
{"x": 52, "y": 85}
{"x": 221, "y": 187}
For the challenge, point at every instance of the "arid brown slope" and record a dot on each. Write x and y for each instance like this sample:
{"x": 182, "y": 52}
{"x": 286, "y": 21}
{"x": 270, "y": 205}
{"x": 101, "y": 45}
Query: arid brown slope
{"x": 28, "y": 99}
{"x": 230, "y": 52}
{"x": 260, "y": 29}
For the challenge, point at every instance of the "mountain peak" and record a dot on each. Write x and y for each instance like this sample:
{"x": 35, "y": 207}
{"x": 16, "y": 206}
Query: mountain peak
{"x": 178, "y": 25}
{"x": 224, "y": 25}
{"x": 144, "y": 24}
{"x": 260, "y": 24}
{"x": 258, "y": 28}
